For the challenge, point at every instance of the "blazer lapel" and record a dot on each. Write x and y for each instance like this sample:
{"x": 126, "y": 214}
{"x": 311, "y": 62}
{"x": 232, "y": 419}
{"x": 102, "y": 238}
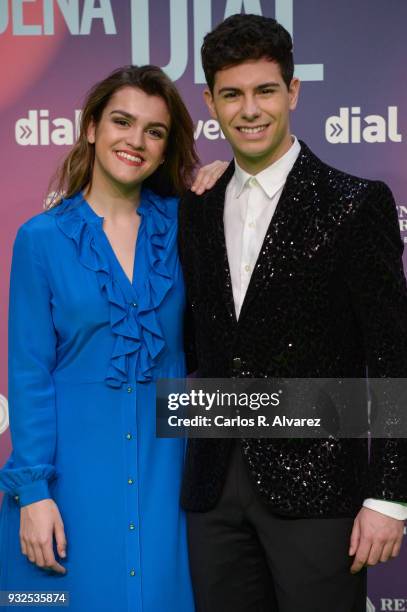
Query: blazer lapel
{"x": 296, "y": 199}
{"x": 213, "y": 208}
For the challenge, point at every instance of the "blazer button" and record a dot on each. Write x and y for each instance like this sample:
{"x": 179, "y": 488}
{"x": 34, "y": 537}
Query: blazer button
{"x": 237, "y": 364}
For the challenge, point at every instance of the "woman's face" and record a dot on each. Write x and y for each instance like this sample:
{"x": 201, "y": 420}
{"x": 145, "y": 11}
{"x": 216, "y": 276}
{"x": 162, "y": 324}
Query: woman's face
{"x": 130, "y": 138}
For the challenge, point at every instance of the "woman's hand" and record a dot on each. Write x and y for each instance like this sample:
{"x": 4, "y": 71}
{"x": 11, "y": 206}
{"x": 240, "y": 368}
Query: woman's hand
{"x": 39, "y": 522}
{"x": 208, "y": 175}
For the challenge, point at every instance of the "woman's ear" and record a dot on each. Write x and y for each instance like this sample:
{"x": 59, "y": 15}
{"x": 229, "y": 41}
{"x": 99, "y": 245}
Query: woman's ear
{"x": 91, "y": 132}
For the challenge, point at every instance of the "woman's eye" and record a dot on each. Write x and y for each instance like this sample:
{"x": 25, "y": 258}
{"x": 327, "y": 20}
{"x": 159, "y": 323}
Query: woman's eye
{"x": 155, "y": 133}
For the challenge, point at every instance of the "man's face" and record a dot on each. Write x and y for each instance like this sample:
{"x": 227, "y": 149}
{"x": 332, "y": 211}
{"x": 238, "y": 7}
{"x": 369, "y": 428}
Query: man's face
{"x": 252, "y": 104}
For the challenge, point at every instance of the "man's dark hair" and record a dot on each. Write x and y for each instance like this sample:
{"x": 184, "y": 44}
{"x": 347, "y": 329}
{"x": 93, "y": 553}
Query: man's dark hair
{"x": 247, "y": 37}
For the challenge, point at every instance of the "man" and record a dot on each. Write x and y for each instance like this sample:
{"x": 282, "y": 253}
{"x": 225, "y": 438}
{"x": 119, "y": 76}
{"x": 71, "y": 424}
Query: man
{"x": 293, "y": 269}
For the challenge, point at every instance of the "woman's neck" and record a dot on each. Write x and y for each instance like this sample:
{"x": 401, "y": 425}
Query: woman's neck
{"x": 112, "y": 201}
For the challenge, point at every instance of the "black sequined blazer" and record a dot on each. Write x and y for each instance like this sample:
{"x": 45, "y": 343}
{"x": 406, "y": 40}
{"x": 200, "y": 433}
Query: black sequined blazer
{"x": 326, "y": 298}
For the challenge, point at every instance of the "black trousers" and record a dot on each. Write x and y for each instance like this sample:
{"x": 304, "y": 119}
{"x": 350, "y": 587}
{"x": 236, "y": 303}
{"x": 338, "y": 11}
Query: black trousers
{"x": 244, "y": 558}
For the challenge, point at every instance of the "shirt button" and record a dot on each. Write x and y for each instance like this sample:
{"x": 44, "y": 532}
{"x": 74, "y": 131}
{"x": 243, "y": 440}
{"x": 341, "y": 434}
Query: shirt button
{"x": 130, "y": 481}
{"x": 134, "y": 304}
{"x": 252, "y": 224}
{"x": 247, "y": 268}
{"x": 132, "y": 526}
{"x": 132, "y": 572}
{"x": 129, "y": 389}
{"x": 253, "y": 181}
{"x": 128, "y": 436}
{"x": 16, "y": 497}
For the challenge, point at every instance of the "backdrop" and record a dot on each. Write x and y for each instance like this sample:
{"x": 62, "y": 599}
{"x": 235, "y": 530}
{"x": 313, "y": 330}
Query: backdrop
{"x": 349, "y": 54}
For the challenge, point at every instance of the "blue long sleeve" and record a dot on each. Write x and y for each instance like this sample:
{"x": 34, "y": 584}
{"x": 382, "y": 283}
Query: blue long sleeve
{"x": 32, "y": 356}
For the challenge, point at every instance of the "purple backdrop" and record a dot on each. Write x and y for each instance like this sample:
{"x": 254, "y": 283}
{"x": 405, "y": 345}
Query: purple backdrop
{"x": 350, "y": 56}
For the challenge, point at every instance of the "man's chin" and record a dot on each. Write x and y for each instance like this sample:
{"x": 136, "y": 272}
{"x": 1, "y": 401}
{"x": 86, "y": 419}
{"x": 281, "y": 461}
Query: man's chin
{"x": 253, "y": 155}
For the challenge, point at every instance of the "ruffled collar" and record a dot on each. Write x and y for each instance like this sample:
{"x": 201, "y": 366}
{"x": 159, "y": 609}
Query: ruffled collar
{"x": 133, "y": 317}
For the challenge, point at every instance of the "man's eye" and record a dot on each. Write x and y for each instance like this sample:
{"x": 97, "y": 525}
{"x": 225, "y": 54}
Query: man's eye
{"x": 230, "y": 94}
{"x": 121, "y": 121}
{"x": 267, "y": 91}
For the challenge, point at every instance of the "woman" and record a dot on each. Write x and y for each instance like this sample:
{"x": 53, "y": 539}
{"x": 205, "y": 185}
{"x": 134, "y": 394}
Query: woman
{"x": 94, "y": 321}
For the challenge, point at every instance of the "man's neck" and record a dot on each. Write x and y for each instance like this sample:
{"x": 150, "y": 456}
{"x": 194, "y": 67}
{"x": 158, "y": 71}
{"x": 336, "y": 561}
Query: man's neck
{"x": 254, "y": 166}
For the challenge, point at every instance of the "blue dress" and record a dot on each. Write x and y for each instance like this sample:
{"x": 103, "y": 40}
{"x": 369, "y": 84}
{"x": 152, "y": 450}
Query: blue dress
{"x": 86, "y": 346}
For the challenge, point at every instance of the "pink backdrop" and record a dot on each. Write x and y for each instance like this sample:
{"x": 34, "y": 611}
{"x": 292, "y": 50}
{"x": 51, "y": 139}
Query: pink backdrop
{"x": 349, "y": 55}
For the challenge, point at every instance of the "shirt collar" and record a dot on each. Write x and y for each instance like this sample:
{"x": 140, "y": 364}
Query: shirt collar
{"x": 271, "y": 178}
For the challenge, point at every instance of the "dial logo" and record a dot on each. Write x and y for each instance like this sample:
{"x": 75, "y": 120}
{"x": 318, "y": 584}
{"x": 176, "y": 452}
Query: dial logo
{"x": 349, "y": 126}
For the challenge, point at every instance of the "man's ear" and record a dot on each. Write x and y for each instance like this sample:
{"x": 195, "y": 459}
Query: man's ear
{"x": 91, "y": 132}
{"x": 208, "y": 97}
{"x": 293, "y": 92}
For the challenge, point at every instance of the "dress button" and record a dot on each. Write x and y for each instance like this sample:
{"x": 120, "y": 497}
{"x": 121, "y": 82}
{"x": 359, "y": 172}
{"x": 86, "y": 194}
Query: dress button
{"x": 237, "y": 364}
{"x": 132, "y": 526}
{"x": 128, "y": 436}
{"x": 130, "y": 481}
{"x": 132, "y": 572}
{"x": 129, "y": 389}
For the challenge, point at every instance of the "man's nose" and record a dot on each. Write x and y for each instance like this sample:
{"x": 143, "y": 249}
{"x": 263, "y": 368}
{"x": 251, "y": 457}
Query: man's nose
{"x": 250, "y": 108}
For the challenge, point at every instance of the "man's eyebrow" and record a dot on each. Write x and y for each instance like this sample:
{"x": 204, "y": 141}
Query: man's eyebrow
{"x": 261, "y": 86}
{"x": 269, "y": 84}
{"x": 132, "y": 117}
{"x": 223, "y": 89}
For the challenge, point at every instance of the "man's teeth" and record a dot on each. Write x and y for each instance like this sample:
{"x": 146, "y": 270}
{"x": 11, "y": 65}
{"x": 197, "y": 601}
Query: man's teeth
{"x": 132, "y": 158}
{"x": 254, "y": 130}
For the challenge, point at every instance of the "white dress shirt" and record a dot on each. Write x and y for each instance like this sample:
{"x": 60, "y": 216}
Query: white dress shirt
{"x": 250, "y": 202}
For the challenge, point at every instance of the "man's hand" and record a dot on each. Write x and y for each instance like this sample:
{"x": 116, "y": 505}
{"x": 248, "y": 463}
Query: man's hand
{"x": 208, "y": 175}
{"x": 375, "y": 537}
{"x": 39, "y": 523}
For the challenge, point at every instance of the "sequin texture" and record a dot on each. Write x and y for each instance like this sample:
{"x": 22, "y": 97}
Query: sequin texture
{"x": 327, "y": 298}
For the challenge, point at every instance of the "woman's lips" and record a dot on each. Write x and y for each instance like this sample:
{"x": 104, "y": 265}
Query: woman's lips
{"x": 129, "y": 158}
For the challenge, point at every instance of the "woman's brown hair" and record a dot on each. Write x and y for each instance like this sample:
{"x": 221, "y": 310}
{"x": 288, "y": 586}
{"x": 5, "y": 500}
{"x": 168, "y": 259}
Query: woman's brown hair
{"x": 173, "y": 177}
